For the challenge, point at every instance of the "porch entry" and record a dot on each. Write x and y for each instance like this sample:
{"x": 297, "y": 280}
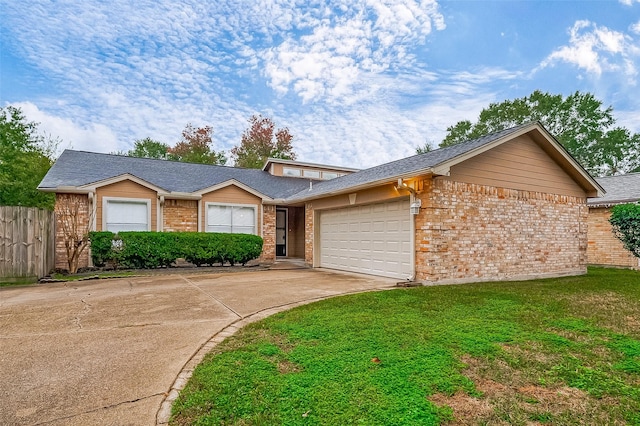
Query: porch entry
{"x": 281, "y": 232}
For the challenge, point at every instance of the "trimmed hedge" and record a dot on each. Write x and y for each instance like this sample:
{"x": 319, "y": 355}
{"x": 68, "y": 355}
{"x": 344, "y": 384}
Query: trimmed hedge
{"x": 145, "y": 250}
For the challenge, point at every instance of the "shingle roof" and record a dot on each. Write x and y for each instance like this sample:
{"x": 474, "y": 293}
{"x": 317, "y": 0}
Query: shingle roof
{"x": 620, "y": 189}
{"x": 78, "y": 168}
{"x": 398, "y": 168}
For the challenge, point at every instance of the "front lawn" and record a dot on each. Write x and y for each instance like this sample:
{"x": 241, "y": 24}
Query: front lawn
{"x": 557, "y": 351}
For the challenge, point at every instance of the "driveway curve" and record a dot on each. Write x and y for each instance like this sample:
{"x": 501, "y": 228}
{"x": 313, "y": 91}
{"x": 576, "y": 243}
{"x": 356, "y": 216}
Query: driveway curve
{"x": 109, "y": 352}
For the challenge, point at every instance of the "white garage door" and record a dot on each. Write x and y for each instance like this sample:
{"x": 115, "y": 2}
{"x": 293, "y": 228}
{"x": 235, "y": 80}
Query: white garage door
{"x": 370, "y": 239}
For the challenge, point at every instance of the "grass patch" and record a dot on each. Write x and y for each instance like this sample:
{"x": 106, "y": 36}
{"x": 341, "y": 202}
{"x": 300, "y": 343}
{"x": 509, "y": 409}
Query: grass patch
{"x": 556, "y": 351}
{"x": 94, "y": 275}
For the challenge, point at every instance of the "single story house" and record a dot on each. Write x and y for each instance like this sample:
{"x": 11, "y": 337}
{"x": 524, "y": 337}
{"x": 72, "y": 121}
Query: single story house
{"x": 510, "y": 205}
{"x": 604, "y": 248}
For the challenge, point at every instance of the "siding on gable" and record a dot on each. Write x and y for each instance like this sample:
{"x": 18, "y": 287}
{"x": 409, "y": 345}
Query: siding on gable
{"x": 127, "y": 189}
{"x": 517, "y": 164}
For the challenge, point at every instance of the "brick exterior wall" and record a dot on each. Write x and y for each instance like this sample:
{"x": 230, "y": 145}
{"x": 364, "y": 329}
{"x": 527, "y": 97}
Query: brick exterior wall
{"x": 82, "y": 201}
{"x": 604, "y": 248}
{"x": 469, "y": 232}
{"x": 180, "y": 215}
{"x": 268, "y": 234}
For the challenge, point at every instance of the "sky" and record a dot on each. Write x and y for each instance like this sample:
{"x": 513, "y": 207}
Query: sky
{"x": 358, "y": 83}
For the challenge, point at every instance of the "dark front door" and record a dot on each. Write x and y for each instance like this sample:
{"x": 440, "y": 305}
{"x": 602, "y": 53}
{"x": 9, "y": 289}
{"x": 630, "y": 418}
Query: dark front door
{"x": 281, "y": 232}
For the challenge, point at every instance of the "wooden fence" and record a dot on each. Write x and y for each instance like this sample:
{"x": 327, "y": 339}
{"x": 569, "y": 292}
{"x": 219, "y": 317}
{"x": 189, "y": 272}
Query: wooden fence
{"x": 27, "y": 243}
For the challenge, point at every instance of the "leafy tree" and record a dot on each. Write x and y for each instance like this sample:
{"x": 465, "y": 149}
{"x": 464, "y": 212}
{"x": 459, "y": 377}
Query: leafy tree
{"x": 25, "y": 157}
{"x": 149, "y": 148}
{"x": 196, "y": 147}
{"x": 427, "y": 147}
{"x": 262, "y": 141}
{"x": 579, "y": 122}
{"x": 625, "y": 220}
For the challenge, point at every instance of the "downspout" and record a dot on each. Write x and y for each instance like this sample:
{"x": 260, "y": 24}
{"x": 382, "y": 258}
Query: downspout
{"x": 412, "y": 239}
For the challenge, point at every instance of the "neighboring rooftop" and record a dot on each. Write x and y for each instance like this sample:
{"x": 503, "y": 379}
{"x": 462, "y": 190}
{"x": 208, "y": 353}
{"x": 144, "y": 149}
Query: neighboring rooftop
{"x": 620, "y": 189}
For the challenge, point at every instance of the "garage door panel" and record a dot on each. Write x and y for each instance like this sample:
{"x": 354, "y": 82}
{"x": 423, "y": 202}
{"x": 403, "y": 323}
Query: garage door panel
{"x": 372, "y": 239}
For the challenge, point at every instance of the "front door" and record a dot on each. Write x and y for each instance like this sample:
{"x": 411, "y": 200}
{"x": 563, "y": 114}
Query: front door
{"x": 281, "y": 232}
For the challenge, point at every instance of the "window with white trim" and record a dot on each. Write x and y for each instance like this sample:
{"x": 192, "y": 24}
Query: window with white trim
{"x": 124, "y": 214}
{"x": 329, "y": 175}
{"x": 231, "y": 218}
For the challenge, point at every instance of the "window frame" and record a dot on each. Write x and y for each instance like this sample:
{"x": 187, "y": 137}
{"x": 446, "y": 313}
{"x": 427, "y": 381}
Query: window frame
{"x": 333, "y": 175}
{"x": 105, "y": 203}
{"x": 213, "y": 203}
{"x": 307, "y": 172}
{"x": 293, "y": 171}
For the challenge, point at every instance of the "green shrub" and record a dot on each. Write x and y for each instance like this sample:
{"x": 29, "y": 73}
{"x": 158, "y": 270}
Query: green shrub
{"x": 101, "y": 247}
{"x": 161, "y": 249}
{"x": 625, "y": 220}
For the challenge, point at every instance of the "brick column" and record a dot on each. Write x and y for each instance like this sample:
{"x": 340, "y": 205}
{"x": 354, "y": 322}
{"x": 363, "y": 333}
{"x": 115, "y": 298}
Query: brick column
{"x": 268, "y": 234}
{"x": 308, "y": 234}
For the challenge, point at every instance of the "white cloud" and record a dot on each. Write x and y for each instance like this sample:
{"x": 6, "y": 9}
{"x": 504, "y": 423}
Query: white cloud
{"x": 635, "y": 28}
{"x": 597, "y": 49}
{"x": 93, "y": 137}
{"x": 344, "y": 43}
{"x": 628, "y": 2}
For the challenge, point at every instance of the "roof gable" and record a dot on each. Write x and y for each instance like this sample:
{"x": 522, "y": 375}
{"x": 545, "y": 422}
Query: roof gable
{"x": 440, "y": 161}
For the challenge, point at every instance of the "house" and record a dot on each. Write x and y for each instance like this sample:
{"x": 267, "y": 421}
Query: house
{"x": 509, "y": 205}
{"x": 604, "y": 248}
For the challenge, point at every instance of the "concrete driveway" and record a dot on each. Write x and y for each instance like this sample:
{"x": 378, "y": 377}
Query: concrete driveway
{"x": 108, "y": 352}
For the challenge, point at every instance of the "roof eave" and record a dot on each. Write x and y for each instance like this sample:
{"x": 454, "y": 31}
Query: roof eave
{"x": 385, "y": 181}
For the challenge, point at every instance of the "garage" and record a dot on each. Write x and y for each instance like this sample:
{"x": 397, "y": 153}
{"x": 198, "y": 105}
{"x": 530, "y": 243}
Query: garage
{"x": 370, "y": 239}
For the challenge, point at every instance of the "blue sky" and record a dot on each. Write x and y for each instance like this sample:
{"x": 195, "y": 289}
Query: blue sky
{"x": 358, "y": 83}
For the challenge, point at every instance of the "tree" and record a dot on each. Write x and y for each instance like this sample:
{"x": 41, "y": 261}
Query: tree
{"x": 149, "y": 148}
{"x": 579, "y": 122}
{"x": 196, "y": 147}
{"x": 625, "y": 221}
{"x": 262, "y": 141}
{"x": 427, "y": 147}
{"x": 74, "y": 219}
{"x": 25, "y": 157}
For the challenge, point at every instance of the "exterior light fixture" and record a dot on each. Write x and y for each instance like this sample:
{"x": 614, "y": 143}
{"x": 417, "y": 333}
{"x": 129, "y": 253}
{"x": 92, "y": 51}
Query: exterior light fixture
{"x": 415, "y": 206}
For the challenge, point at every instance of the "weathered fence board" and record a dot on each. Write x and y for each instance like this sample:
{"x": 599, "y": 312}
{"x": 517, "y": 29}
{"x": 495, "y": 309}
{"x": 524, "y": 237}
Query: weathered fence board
{"x": 27, "y": 246}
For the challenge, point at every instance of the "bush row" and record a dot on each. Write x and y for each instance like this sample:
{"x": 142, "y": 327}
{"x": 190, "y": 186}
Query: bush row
{"x": 161, "y": 249}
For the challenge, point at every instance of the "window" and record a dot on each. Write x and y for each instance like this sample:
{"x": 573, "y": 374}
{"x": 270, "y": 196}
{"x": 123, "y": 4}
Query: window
{"x": 123, "y": 214}
{"x": 289, "y": 171}
{"x": 329, "y": 175}
{"x": 231, "y": 218}
{"x": 315, "y": 174}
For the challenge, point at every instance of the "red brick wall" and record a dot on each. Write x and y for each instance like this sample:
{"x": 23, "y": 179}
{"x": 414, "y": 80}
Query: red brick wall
{"x": 604, "y": 248}
{"x": 180, "y": 215}
{"x": 468, "y": 232}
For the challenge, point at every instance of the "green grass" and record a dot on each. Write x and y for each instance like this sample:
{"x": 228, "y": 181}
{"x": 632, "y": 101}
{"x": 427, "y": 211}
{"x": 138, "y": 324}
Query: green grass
{"x": 557, "y": 351}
